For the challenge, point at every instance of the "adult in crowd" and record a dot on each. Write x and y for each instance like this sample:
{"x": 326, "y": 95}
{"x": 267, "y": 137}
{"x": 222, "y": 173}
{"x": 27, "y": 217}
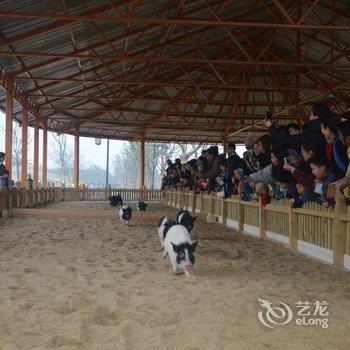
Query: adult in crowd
{"x": 4, "y": 173}
{"x": 335, "y": 149}
{"x": 311, "y": 130}
{"x": 234, "y": 161}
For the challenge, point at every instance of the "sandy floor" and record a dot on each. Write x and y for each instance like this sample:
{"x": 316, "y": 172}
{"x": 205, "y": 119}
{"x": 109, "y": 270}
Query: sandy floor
{"x": 94, "y": 284}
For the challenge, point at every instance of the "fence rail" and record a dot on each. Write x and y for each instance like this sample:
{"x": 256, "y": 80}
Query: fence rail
{"x": 12, "y": 198}
{"x": 323, "y": 233}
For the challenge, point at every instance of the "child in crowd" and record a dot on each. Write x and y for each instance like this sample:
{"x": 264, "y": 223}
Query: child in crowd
{"x": 305, "y": 194}
{"x": 225, "y": 179}
{"x": 262, "y": 190}
{"x": 323, "y": 177}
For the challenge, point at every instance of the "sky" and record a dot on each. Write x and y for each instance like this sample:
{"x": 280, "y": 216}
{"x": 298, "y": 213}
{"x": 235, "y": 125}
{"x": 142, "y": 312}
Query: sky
{"x": 90, "y": 153}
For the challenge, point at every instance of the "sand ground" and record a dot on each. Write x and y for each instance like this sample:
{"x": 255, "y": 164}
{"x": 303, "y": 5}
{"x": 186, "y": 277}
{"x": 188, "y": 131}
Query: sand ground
{"x": 95, "y": 284}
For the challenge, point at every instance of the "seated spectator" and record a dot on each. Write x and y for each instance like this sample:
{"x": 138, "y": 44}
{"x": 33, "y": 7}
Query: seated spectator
{"x": 335, "y": 149}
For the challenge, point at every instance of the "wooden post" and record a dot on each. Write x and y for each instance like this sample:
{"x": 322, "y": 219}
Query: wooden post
{"x": 24, "y": 148}
{"x": 194, "y": 200}
{"x": 142, "y": 165}
{"x": 262, "y": 221}
{"x": 210, "y": 216}
{"x": 45, "y": 155}
{"x": 8, "y": 125}
{"x": 240, "y": 215}
{"x": 36, "y": 154}
{"x": 339, "y": 231}
{"x": 292, "y": 229}
{"x": 224, "y": 212}
{"x": 76, "y": 161}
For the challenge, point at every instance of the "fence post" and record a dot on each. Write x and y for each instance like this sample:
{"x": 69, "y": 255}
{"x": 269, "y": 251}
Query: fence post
{"x": 339, "y": 231}
{"x": 224, "y": 211}
{"x": 194, "y": 199}
{"x": 262, "y": 221}
{"x": 210, "y": 216}
{"x": 240, "y": 215}
{"x": 292, "y": 229}
{"x": 6, "y": 209}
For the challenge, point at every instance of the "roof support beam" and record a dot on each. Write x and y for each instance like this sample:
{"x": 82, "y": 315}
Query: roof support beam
{"x": 169, "y": 21}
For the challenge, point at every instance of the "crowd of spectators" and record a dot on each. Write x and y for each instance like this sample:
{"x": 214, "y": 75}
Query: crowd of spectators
{"x": 306, "y": 163}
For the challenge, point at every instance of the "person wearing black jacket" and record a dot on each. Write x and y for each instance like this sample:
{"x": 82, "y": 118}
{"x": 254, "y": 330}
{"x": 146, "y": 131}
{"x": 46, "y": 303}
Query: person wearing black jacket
{"x": 311, "y": 130}
{"x": 4, "y": 173}
{"x": 234, "y": 161}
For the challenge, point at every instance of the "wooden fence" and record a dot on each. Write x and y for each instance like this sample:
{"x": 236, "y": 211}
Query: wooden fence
{"x": 323, "y": 233}
{"x": 27, "y": 198}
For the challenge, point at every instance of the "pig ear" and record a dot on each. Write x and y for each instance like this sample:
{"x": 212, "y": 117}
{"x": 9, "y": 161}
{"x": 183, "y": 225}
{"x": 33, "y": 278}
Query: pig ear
{"x": 194, "y": 245}
{"x": 175, "y": 247}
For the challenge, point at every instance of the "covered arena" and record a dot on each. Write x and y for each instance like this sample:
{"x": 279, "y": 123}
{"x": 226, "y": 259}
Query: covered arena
{"x": 73, "y": 276}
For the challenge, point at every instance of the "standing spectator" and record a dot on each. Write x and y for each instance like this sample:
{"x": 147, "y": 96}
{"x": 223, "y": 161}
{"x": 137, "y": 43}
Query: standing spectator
{"x": 214, "y": 166}
{"x": 299, "y": 168}
{"x": 234, "y": 161}
{"x": 4, "y": 173}
{"x": 293, "y": 129}
{"x": 323, "y": 175}
{"x": 262, "y": 190}
{"x": 264, "y": 144}
{"x": 335, "y": 149}
{"x": 29, "y": 181}
{"x": 226, "y": 178}
{"x": 344, "y": 130}
{"x": 311, "y": 130}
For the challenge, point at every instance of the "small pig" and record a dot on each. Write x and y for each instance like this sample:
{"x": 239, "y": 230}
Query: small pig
{"x": 125, "y": 213}
{"x": 163, "y": 227}
{"x": 115, "y": 200}
{"x": 184, "y": 218}
{"x": 179, "y": 247}
{"x": 141, "y": 206}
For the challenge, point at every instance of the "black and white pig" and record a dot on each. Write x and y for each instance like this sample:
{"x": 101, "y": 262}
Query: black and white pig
{"x": 163, "y": 227}
{"x": 184, "y": 218}
{"x": 180, "y": 249}
{"x": 125, "y": 213}
{"x": 115, "y": 200}
{"x": 141, "y": 206}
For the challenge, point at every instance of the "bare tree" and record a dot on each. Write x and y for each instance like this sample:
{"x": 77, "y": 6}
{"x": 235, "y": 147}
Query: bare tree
{"x": 17, "y": 147}
{"x": 63, "y": 157}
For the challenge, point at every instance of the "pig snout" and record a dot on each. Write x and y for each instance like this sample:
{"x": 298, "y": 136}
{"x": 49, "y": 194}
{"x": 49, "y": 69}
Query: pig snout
{"x": 186, "y": 265}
